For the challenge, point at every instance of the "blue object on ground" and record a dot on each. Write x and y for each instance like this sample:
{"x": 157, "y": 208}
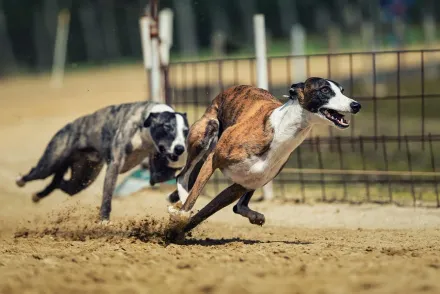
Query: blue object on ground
{"x": 136, "y": 181}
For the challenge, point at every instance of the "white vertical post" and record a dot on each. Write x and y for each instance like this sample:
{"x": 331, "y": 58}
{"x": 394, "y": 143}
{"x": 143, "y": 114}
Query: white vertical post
{"x": 260, "y": 52}
{"x": 166, "y": 42}
{"x": 60, "y": 50}
{"x": 166, "y": 34}
{"x": 144, "y": 25}
{"x": 298, "y": 47}
{"x": 156, "y": 83}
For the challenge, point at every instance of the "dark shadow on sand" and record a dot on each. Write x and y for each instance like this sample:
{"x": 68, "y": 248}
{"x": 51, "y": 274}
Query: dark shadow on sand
{"x": 217, "y": 242}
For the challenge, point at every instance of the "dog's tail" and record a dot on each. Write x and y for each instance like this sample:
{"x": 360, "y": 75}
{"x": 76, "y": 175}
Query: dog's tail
{"x": 56, "y": 152}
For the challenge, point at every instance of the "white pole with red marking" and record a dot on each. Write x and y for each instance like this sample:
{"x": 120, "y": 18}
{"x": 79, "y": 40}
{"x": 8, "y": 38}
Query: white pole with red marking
{"x": 151, "y": 49}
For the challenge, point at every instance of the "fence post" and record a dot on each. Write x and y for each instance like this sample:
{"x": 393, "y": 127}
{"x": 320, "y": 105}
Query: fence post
{"x": 144, "y": 24}
{"x": 153, "y": 51}
{"x": 298, "y": 45}
{"x": 60, "y": 51}
{"x": 156, "y": 81}
{"x": 262, "y": 81}
{"x": 166, "y": 41}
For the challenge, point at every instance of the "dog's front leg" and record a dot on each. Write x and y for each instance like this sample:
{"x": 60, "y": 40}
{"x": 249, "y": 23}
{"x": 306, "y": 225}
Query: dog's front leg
{"x": 111, "y": 176}
{"x": 114, "y": 167}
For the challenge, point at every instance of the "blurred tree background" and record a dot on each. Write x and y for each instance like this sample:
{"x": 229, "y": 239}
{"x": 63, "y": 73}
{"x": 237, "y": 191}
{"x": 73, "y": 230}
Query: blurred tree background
{"x": 104, "y": 31}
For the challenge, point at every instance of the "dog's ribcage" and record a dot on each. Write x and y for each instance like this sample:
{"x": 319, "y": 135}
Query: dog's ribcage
{"x": 289, "y": 132}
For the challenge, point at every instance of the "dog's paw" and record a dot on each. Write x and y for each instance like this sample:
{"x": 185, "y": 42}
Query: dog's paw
{"x": 105, "y": 222}
{"x": 176, "y": 205}
{"x": 256, "y": 218}
{"x": 35, "y": 198}
{"x": 20, "y": 182}
{"x": 176, "y": 212}
{"x": 179, "y": 219}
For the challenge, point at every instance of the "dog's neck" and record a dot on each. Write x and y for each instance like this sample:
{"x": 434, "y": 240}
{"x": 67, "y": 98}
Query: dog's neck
{"x": 291, "y": 121}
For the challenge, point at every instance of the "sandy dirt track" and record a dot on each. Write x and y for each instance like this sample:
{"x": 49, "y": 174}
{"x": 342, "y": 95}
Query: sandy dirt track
{"x": 57, "y": 247}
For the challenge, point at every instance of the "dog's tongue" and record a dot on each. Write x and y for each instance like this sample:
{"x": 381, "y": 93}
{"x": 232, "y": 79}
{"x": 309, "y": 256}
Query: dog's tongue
{"x": 337, "y": 116}
{"x": 343, "y": 121}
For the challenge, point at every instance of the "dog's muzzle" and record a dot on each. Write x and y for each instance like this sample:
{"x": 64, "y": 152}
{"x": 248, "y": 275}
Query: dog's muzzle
{"x": 179, "y": 149}
{"x": 174, "y": 156}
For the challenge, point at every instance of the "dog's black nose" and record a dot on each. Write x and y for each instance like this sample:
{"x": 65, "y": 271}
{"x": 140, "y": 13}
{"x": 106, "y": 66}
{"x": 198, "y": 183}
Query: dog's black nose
{"x": 179, "y": 149}
{"x": 355, "y": 107}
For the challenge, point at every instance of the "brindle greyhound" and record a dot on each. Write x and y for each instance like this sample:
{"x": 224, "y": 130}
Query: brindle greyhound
{"x": 121, "y": 136}
{"x": 249, "y": 135}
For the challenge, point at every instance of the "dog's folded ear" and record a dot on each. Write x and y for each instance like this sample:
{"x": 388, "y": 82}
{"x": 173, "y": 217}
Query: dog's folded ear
{"x": 152, "y": 116}
{"x": 184, "y": 114}
{"x": 296, "y": 91}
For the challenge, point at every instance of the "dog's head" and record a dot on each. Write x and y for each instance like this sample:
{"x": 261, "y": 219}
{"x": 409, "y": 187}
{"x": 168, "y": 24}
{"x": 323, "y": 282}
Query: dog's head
{"x": 168, "y": 131}
{"x": 326, "y": 100}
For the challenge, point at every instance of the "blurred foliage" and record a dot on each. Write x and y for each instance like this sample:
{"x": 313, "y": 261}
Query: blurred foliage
{"x": 232, "y": 16}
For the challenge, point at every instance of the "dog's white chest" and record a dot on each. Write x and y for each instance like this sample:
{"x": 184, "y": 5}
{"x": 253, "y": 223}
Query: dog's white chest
{"x": 256, "y": 171}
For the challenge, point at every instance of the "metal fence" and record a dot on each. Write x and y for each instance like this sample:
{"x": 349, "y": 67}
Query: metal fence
{"x": 390, "y": 153}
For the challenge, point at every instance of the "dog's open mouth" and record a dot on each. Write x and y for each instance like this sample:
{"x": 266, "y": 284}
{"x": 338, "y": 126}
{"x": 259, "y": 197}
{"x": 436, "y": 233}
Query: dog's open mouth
{"x": 335, "y": 117}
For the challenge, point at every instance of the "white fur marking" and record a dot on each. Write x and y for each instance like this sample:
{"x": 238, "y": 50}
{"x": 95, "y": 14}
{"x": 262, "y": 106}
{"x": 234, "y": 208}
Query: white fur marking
{"x": 140, "y": 138}
{"x": 183, "y": 191}
{"x": 137, "y": 141}
{"x": 291, "y": 126}
{"x": 178, "y": 214}
{"x": 180, "y": 138}
{"x": 339, "y": 102}
{"x": 161, "y": 108}
{"x": 20, "y": 182}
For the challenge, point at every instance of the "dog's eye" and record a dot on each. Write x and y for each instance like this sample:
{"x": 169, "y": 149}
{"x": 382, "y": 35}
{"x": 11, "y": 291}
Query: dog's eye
{"x": 325, "y": 90}
{"x": 185, "y": 133}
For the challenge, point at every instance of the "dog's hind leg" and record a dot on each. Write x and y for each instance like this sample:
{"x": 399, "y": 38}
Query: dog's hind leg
{"x": 225, "y": 198}
{"x": 54, "y": 184}
{"x": 54, "y": 156}
{"x": 242, "y": 208}
{"x": 83, "y": 175}
{"x": 201, "y": 140}
{"x": 40, "y": 172}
